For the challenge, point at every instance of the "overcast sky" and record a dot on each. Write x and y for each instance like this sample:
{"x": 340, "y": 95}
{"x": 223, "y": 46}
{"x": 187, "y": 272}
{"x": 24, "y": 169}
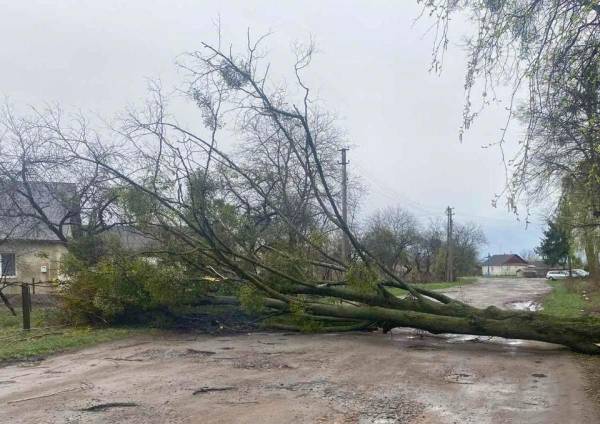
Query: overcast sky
{"x": 371, "y": 70}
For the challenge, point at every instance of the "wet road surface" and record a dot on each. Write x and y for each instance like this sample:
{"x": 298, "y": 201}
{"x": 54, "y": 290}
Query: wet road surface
{"x": 403, "y": 377}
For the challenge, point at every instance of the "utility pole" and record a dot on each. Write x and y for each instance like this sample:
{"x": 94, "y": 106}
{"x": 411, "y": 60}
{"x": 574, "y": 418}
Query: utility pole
{"x": 449, "y": 242}
{"x": 345, "y": 240}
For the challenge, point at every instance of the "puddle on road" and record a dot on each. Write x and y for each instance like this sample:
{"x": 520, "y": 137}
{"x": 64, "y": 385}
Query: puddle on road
{"x": 422, "y": 340}
{"x": 524, "y": 306}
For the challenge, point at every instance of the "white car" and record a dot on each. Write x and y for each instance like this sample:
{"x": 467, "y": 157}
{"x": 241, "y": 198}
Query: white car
{"x": 557, "y": 275}
{"x": 581, "y": 273}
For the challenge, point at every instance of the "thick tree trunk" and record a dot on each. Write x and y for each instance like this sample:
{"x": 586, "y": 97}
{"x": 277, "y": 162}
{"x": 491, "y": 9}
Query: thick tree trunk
{"x": 580, "y": 335}
{"x": 591, "y": 255}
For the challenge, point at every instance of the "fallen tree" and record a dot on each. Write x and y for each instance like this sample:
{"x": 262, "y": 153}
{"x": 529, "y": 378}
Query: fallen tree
{"x": 264, "y": 217}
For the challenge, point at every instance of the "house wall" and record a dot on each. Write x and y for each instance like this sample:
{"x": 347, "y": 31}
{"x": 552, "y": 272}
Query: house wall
{"x": 30, "y": 257}
{"x": 506, "y": 270}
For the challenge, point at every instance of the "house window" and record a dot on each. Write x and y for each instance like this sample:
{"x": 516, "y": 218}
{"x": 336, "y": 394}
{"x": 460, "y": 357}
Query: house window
{"x": 7, "y": 265}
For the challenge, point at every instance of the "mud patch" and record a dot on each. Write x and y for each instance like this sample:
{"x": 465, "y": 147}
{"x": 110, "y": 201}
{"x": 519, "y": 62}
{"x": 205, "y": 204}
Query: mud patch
{"x": 260, "y": 362}
{"x": 591, "y": 367}
{"x": 363, "y": 406}
{"x": 165, "y": 354}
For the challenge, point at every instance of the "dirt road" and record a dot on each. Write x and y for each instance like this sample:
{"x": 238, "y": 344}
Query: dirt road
{"x": 279, "y": 378}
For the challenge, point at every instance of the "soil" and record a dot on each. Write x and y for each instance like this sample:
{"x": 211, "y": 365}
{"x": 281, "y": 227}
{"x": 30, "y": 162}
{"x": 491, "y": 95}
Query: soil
{"x": 404, "y": 377}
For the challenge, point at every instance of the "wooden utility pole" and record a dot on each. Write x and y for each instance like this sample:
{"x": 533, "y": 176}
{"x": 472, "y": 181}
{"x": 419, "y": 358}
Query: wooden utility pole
{"x": 449, "y": 242}
{"x": 26, "y": 304}
{"x": 345, "y": 240}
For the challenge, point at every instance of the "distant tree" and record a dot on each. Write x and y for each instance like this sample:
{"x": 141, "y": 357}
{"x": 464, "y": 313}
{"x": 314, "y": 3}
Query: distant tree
{"x": 529, "y": 255}
{"x": 396, "y": 238}
{"x": 468, "y": 238}
{"x": 424, "y": 252}
{"x": 554, "y": 248}
{"x": 389, "y": 235}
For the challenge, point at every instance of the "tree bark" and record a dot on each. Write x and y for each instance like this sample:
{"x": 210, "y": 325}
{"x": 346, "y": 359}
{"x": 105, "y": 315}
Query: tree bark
{"x": 578, "y": 334}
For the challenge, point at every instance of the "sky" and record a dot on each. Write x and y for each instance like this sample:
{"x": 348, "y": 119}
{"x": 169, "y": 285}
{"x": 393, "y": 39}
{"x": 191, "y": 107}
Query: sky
{"x": 371, "y": 69}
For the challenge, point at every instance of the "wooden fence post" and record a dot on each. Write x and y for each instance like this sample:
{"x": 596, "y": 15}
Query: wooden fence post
{"x": 26, "y": 303}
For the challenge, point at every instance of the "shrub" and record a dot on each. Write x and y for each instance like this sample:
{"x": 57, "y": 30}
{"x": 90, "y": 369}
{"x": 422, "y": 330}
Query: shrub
{"x": 116, "y": 286}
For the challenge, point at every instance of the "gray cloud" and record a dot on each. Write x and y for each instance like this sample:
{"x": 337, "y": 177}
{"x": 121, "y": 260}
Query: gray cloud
{"x": 371, "y": 71}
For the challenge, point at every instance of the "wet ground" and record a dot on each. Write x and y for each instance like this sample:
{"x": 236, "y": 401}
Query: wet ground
{"x": 501, "y": 292}
{"x": 405, "y": 377}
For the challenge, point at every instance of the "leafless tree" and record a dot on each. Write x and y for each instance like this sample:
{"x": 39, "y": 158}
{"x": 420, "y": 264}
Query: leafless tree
{"x": 389, "y": 235}
{"x": 43, "y": 190}
{"x": 267, "y": 228}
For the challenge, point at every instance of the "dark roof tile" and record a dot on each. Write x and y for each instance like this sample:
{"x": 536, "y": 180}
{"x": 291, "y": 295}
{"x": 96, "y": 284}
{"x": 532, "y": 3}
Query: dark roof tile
{"x": 498, "y": 260}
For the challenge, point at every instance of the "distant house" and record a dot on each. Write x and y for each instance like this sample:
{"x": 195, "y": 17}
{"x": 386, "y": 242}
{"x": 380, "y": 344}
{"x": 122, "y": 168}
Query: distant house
{"x": 508, "y": 265}
{"x": 30, "y": 247}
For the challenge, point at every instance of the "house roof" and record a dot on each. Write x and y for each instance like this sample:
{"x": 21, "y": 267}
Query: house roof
{"x": 499, "y": 260}
{"x": 19, "y": 219}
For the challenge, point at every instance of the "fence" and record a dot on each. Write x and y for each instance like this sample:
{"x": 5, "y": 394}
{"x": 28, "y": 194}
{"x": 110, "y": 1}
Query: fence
{"x": 26, "y": 291}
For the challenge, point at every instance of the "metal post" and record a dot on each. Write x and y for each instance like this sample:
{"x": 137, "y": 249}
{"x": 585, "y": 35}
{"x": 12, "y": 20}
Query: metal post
{"x": 450, "y": 258}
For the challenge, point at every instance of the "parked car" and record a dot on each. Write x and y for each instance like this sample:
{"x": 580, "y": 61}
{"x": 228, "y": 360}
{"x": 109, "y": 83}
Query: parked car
{"x": 562, "y": 274}
{"x": 557, "y": 275}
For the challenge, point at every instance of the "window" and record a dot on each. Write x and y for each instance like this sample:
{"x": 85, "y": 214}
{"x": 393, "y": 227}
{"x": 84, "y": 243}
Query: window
{"x": 7, "y": 265}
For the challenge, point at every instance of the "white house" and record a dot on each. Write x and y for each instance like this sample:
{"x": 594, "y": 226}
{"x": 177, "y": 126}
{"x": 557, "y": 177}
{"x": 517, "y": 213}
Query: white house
{"x": 508, "y": 265}
{"x": 29, "y": 250}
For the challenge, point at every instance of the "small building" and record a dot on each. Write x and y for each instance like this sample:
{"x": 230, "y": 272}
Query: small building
{"x": 503, "y": 265}
{"x": 540, "y": 268}
{"x": 29, "y": 249}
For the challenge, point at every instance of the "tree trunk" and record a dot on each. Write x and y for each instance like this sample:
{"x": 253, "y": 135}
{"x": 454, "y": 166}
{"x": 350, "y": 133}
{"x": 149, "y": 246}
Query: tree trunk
{"x": 580, "y": 335}
{"x": 591, "y": 255}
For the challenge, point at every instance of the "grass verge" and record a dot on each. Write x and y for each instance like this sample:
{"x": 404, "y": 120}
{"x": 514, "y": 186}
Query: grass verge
{"x": 45, "y": 338}
{"x": 572, "y": 298}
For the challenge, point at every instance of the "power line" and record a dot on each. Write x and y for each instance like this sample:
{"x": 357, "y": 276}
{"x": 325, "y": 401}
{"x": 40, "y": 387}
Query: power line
{"x": 392, "y": 194}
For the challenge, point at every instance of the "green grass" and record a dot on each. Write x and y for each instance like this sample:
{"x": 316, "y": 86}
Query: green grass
{"x": 45, "y": 337}
{"x": 438, "y": 285}
{"x": 572, "y": 298}
{"x": 562, "y": 301}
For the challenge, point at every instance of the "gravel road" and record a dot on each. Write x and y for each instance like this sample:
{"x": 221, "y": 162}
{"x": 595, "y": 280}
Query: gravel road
{"x": 403, "y": 377}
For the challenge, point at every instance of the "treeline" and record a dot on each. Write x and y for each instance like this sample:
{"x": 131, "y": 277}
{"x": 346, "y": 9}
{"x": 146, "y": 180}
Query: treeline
{"x": 418, "y": 250}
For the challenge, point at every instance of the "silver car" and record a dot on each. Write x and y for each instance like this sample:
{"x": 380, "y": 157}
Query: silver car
{"x": 581, "y": 273}
{"x": 557, "y": 275}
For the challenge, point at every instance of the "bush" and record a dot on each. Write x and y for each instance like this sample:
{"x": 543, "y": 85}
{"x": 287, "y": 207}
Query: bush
{"x": 117, "y": 286}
